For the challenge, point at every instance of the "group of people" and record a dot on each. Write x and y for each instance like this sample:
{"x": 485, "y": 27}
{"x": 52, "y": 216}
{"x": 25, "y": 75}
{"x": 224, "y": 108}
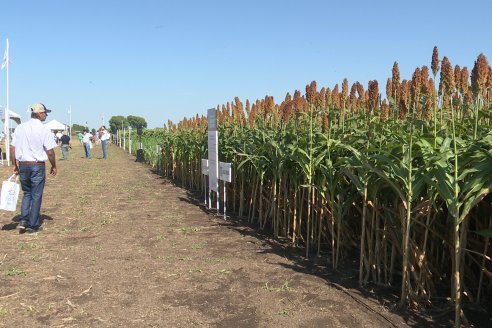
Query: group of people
{"x": 88, "y": 139}
{"x": 31, "y": 147}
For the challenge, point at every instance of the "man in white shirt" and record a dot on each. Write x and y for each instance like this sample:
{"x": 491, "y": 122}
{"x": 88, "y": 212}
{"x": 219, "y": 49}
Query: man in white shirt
{"x": 31, "y": 146}
{"x": 104, "y": 137}
{"x": 58, "y": 136}
{"x": 87, "y": 141}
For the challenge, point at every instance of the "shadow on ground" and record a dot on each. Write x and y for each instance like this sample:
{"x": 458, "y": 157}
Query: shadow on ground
{"x": 15, "y": 222}
{"x": 345, "y": 278}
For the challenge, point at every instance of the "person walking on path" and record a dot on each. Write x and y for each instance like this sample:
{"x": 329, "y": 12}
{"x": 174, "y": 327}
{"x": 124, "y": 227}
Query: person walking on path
{"x": 87, "y": 141}
{"x": 104, "y": 137}
{"x": 58, "y": 136}
{"x": 31, "y": 146}
{"x": 80, "y": 136}
{"x": 65, "y": 143}
{"x": 95, "y": 136}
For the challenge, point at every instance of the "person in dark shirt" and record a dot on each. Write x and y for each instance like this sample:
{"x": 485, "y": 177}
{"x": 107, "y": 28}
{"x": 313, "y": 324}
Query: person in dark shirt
{"x": 65, "y": 143}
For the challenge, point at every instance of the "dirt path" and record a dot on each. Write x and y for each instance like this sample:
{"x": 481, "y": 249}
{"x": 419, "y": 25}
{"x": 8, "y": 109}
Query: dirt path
{"x": 122, "y": 247}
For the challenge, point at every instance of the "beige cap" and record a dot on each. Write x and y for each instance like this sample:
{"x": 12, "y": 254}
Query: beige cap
{"x": 39, "y": 108}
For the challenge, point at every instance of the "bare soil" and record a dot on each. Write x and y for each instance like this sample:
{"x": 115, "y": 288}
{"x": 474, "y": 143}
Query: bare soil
{"x": 123, "y": 247}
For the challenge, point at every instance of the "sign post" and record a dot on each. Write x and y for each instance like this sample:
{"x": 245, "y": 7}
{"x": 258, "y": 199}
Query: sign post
{"x": 226, "y": 176}
{"x": 205, "y": 173}
{"x": 213, "y": 154}
{"x": 158, "y": 153}
{"x": 212, "y": 167}
{"x": 130, "y": 140}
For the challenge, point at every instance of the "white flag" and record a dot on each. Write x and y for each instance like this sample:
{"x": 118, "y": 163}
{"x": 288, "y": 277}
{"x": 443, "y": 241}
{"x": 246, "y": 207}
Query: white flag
{"x": 6, "y": 55}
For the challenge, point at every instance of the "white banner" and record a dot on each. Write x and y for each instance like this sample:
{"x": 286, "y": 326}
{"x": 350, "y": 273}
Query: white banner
{"x": 205, "y": 166}
{"x": 225, "y": 172}
{"x": 213, "y": 150}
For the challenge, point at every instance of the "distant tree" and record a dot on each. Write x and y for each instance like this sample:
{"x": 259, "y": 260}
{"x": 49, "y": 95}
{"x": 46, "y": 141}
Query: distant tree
{"x": 136, "y": 122}
{"x": 117, "y": 123}
{"x": 76, "y": 128}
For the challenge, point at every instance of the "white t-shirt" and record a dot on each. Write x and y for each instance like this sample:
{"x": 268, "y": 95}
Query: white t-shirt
{"x": 87, "y": 137}
{"x": 104, "y": 135}
{"x": 32, "y": 140}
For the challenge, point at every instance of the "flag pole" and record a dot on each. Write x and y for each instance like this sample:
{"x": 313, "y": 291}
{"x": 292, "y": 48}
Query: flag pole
{"x": 6, "y": 114}
{"x": 70, "y": 122}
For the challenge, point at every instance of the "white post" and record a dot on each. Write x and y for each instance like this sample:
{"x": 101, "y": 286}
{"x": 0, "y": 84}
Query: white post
{"x": 6, "y": 114}
{"x": 129, "y": 140}
{"x": 205, "y": 173}
{"x": 121, "y": 134}
{"x": 205, "y": 188}
{"x": 70, "y": 122}
{"x": 225, "y": 175}
{"x": 225, "y": 201}
{"x": 157, "y": 154}
{"x": 124, "y": 140}
{"x": 218, "y": 196}
{"x": 5, "y": 135}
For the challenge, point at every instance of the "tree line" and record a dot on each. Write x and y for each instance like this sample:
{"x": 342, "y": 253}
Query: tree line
{"x": 117, "y": 122}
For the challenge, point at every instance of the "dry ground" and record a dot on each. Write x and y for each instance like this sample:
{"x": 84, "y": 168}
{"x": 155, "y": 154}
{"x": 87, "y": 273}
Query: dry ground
{"x": 123, "y": 247}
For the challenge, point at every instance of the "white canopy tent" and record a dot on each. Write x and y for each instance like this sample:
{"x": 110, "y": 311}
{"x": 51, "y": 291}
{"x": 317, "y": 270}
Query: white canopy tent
{"x": 6, "y": 136}
{"x": 54, "y": 125}
{"x": 13, "y": 116}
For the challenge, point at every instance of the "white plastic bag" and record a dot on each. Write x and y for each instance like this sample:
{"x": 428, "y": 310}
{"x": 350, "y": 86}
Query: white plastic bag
{"x": 9, "y": 194}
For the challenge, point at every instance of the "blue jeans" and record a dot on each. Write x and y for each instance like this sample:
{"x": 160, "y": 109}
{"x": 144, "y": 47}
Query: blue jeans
{"x": 64, "y": 149}
{"x": 103, "y": 144}
{"x": 87, "y": 147}
{"x": 32, "y": 178}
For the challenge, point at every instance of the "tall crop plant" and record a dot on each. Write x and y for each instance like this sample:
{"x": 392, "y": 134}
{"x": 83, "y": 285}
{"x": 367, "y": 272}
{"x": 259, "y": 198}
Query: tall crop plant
{"x": 347, "y": 172}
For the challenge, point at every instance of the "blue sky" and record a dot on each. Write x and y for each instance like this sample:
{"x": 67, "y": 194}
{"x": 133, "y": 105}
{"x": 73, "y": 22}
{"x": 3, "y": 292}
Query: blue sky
{"x": 170, "y": 59}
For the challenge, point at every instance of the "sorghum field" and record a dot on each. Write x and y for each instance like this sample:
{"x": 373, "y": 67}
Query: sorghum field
{"x": 346, "y": 209}
{"x": 395, "y": 183}
{"x": 121, "y": 246}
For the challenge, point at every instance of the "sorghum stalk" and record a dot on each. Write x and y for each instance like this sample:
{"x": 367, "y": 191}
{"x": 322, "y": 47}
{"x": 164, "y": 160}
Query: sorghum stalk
{"x": 435, "y": 70}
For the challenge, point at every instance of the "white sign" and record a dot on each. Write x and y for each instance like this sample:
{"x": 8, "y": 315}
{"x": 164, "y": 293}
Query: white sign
{"x": 212, "y": 119}
{"x": 213, "y": 160}
{"x": 213, "y": 150}
{"x": 225, "y": 172}
{"x": 205, "y": 166}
